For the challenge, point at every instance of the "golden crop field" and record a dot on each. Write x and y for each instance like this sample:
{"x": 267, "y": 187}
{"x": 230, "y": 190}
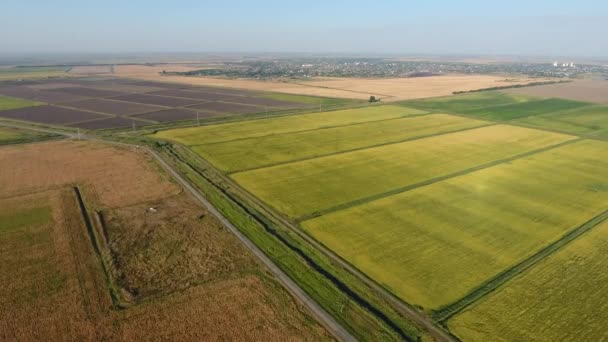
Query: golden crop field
{"x": 271, "y": 149}
{"x": 434, "y": 244}
{"x": 563, "y": 298}
{"x": 255, "y": 128}
{"x": 303, "y": 188}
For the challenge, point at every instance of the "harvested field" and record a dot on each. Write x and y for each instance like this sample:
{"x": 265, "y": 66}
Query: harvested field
{"x": 248, "y": 308}
{"x": 352, "y": 88}
{"x": 114, "y": 177}
{"x": 50, "y": 115}
{"x": 49, "y": 86}
{"x": 158, "y": 100}
{"x": 580, "y": 90}
{"x": 272, "y": 149}
{"x": 311, "y": 186}
{"x": 7, "y": 103}
{"x": 418, "y": 87}
{"x": 40, "y": 95}
{"x": 23, "y": 73}
{"x": 227, "y": 108}
{"x": 91, "y": 69}
{"x": 434, "y": 244}
{"x": 174, "y": 114}
{"x": 197, "y": 95}
{"x": 186, "y": 276}
{"x": 164, "y": 85}
{"x": 561, "y": 298}
{"x": 112, "y": 106}
{"x": 50, "y": 281}
{"x": 116, "y": 122}
{"x": 268, "y": 102}
{"x": 591, "y": 120}
{"x": 255, "y": 85}
{"x": 90, "y": 92}
{"x": 224, "y": 91}
{"x": 119, "y": 86}
{"x": 286, "y": 124}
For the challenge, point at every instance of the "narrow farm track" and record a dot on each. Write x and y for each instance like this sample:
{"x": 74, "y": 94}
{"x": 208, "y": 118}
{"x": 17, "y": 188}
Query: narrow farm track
{"x": 335, "y": 328}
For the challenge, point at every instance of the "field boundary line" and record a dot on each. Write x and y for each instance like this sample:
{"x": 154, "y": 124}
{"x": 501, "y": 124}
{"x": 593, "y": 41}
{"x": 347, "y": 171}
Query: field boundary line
{"x": 450, "y": 310}
{"x": 412, "y": 313}
{"x": 312, "y": 129}
{"x": 365, "y": 147}
{"x": 427, "y": 182}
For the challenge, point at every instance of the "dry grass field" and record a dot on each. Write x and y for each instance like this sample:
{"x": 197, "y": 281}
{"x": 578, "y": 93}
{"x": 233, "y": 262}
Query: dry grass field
{"x": 393, "y": 89}
{"x": 595, "y": 91}
{"x": 91, "y": 69}
{"x": 176, "y": 270}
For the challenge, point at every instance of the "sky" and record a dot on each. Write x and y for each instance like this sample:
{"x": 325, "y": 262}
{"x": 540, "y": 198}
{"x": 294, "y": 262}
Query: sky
{"x": 532, "y": 27}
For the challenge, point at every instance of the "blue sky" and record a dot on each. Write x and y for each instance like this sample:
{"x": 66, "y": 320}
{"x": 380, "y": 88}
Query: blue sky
{"x": 557, "y": 28}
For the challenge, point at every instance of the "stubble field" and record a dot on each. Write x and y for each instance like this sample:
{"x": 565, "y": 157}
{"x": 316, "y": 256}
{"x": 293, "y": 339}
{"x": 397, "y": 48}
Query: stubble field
{"x": 176, "y": 272}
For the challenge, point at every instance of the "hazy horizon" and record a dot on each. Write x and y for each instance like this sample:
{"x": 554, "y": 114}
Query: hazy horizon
{"x": 540, "y": 28}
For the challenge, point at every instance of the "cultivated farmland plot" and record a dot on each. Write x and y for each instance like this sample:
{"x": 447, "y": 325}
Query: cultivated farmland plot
{"x": 123, "y": 97}
{"x": 434, "y": 244}
{"x": 310, "y": 187}
{"x": 563, "y": 298}
{"x": 441, "y": 209}
{"x": 256, "y": 128}
{"x": 590, "y": 120}
{"x": 256, "y": 152}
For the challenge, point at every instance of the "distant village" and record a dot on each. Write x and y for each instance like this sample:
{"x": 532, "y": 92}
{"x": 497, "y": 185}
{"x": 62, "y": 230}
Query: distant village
{"x": 378, "y": 67}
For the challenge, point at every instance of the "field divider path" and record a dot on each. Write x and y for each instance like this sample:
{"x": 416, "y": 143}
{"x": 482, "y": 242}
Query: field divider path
{"x": 450, "y": 310}
{"x": 310, "y": 130}
{"x": 396, "y": 191}
{"x": 405, "y": 309}
{"x": 366, "y": 147}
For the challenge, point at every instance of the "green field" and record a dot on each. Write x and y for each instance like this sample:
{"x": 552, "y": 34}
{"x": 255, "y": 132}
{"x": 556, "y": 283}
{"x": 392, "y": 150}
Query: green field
{"x": 525, "y": 109}
{"x": 7, "y": 135}
{"x": 10, "y": 135}
{"x": 462, "y": 104}
{"x": 563, "y": 298}
{"x": 592, "y": 120}
{"x": 14, "y": 73}
{"x": 256, "y": 152}
{"x": 7, "y": 103}
{"x": 434, "y": 244}
{"x": 286, "y": 124}
{"x": 496, "y": 105}
{"x": 309, "y": 186}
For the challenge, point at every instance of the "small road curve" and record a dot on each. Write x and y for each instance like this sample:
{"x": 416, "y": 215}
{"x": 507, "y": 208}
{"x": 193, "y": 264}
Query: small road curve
{"x": 335, "y": 328}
